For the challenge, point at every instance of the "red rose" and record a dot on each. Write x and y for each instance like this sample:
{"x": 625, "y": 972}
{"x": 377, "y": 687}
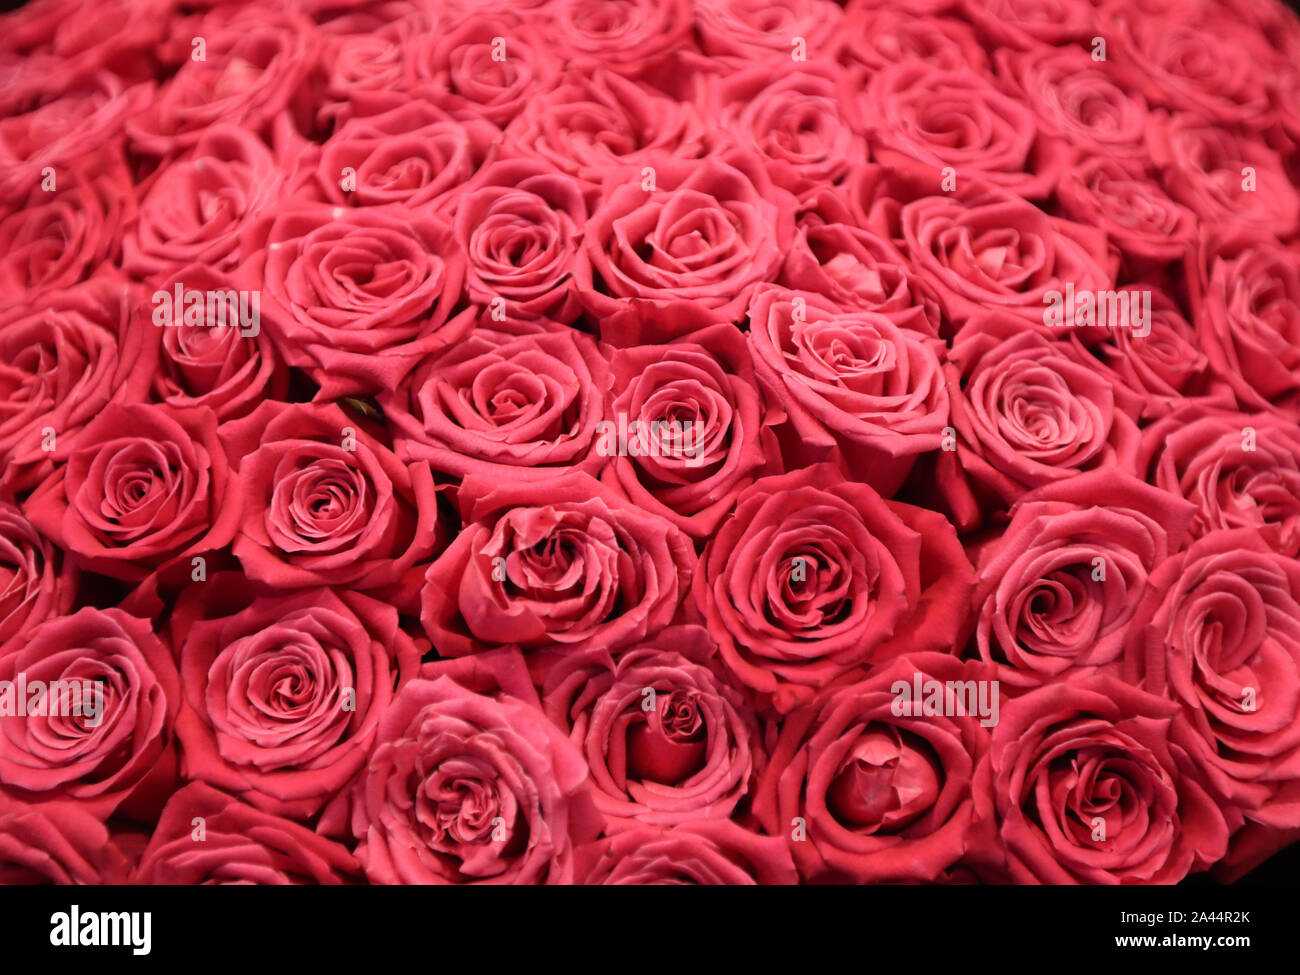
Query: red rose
{"x": 595, "y": 120}
{"x": 813, "y": 577}
{"x": 324, "y": 503}
{"x": 763, "y": 29}
{"x": 797, "y": 122}
{"x": 36, "y": 583}
{"x": 1157, "y": 373}
{"x": 522, "y": 404}
{"x": 1240, "y": 470}
{"x": 701, "y": 232}
{"x": 63, "y": 358}
{"x": 472, "y": 786}
{"x": 212, "y": 364}
{"x": 1090, "y": 781}
{"x": 101, "y": 733}
{"x": 284, "y": 696}
{"x": 985, "y": 252}
{"x": 255, "y": 65}
{"x": 519, "y": 223}
{"x": 1248, "y": 322}
{"x": 356, "y": 296}
{"x": 1219, "y": 633}
{"x": 853, "y": 386}
{"x": 666, "y": 739}
{"x": 926, "y": 120}
{"x": 703, "y": 388}
{"x": 1026, "y": 411}
{"x": 867, "y": 790}
{"x": 565, "y": 564}
{"x": 409, "y": 152}
{"x": 197, "y": 207}
{"x": 141, "y": 488}
{"x": 1058, "y": 588}
{"x": 489, "y": 66}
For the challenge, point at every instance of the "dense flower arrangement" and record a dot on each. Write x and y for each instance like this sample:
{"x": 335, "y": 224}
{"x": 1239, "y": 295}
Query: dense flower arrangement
{"x": 642, "y": 441}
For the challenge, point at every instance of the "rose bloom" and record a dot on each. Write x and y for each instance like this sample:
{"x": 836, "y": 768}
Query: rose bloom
{"x": 60, "y": 127}
{"x": 520, "y": 400}
{"x": 595, "y": 120}
{"x": 704, "y": 383}
{"x": 284, "y": 696}
{"x": 1026, "y": 411}
{"x": 257, "y": 64}
{"x": 1248, "y": 321}
{"x": 520, "y": 224}
{"x": 924, "y": 119}
{"x": 36, "y": 582}
{"x": 1058, "y": 588}
{"x": 866, "y": 792}
{"x": 1227, "y": 179}
{"x": 487, "y": 67}
{"x": 666, "y": 739}
{"x": 56, "y": 238}
{"x": 985, "y": 252}
{"x": 856, "y": 268}
{"x": 119, "y": 750}
{"x": 1164, "y": 370}
{"x": 1135, "y": 211}
{"x": 812, "y": 577}
{"x": 411, "y": 152}
{"x": 1077, "y": 101}
{"x": 565, "y": 564}
{"x": 1219, "y": 633}
{"x": 854, "y": 387}
{"x": 471, "y": 783}
{"x": 798, "y": 122}
{"x": 706, "y": 235}
{"x": 322, "y": 502}
{"x": 711, "y": 852}
{"x": 141, "y": 488}
{"x": 1092, "y": 782}
{"x": 56, "y": 843}
{"x": 66, "y": 355}
{"x": 227, "y": 369}
{"x": 1240, "y": 470}
{"x": 238, "y": 845}
{"x": 356, "y": 296}
{"x": 1211, "y": 66}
